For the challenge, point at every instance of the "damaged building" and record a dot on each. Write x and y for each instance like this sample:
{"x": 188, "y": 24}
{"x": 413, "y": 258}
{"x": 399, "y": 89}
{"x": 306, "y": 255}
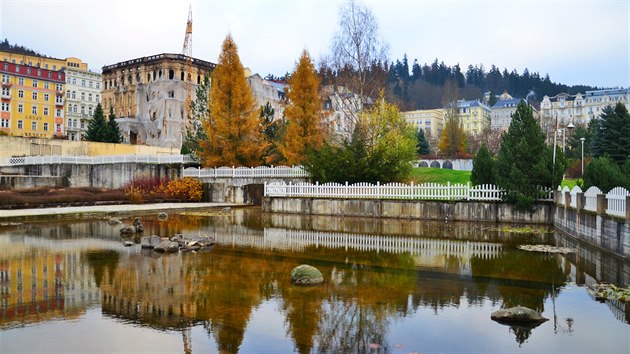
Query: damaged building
{"x": 151, "y": 96}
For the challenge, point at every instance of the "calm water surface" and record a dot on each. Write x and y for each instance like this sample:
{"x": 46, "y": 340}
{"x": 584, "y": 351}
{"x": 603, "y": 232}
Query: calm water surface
{"x": 391, "y": 287}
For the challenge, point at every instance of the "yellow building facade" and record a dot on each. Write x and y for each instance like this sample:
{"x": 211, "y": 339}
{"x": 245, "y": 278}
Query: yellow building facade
{"x": 474, "y": 116}
{"x": 431, "y": 120}
{"x": 32, "y": 101}
{"x": 41, "y": 62}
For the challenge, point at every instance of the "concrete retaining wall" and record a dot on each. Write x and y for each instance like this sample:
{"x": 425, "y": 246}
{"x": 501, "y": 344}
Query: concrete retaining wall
{"x": 596, "y": 228}
{"x": 423, "y": 210}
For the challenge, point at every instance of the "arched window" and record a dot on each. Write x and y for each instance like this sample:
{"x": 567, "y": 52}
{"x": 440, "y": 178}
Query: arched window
{"x": 148, "y": 77}
{"x": 423, "y": 164}
{"x": 171, "y": 74}
{"x": 435, "y": 164}
{"x": 182, "y": 76}
{"x": 447, "y": 165}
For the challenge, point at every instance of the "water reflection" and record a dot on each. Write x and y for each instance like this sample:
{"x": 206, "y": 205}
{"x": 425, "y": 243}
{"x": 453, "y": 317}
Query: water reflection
{"x": 375, "y": 280}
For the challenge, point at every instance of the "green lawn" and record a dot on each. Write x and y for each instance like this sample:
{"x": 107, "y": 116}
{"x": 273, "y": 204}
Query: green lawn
{"x": 438, "y": 175}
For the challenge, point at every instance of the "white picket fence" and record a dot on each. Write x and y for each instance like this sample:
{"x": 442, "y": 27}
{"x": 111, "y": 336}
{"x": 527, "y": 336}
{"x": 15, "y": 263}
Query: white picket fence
{"x": 426, "y": 191}
{"x": 615, "y": 199}
{"x": 244, "y": 172}
{"x": 97, "y": 160}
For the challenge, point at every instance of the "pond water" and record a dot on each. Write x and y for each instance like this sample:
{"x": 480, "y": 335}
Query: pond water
{"x": 391, "y": 286}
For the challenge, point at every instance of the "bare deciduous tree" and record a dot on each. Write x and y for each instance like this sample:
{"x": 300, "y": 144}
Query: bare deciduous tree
{"x": 356, "y": 49}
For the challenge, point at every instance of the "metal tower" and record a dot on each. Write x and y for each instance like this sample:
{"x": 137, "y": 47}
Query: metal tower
{"x": 187, "y": 49}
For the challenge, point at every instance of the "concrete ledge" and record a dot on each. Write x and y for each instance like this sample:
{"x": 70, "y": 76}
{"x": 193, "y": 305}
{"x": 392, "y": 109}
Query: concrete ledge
{"x": 406, "y": 209}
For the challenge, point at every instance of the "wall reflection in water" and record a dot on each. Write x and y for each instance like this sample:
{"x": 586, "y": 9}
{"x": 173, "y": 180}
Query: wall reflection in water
{"x": 376, "y": 271}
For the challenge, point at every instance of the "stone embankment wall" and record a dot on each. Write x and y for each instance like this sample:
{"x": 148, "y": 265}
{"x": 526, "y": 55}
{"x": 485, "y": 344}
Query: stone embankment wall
{"x": 597, "y": 228}
{"x": 407, "y": 209}
{"x": 71, "y": 175}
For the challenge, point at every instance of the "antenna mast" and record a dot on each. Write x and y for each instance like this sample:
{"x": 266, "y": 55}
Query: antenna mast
{"x": 187, "y": 49}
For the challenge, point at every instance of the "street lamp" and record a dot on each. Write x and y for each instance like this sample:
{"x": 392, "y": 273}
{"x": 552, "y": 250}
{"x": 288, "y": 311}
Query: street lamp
{"x": 582, "y": 141}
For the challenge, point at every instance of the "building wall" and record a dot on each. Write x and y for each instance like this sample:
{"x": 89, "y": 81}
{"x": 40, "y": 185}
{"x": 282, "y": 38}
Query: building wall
{"x": 431, "y": 120}
{"x": 83, "y": 93}
{"x": 151, "y": 96}
{"x": 264, "y": 91}
{"x": 32, "y": 101}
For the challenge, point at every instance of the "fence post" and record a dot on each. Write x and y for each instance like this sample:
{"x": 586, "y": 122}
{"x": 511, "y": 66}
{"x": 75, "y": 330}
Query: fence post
{"x": 448, "y": 190}
{"x": 602, "y": 204}
{"x": 580, "y": 202}
{"x": 378, "y": 190}
{"x": 468, "y": 190}
{"x": 627, "y": 208}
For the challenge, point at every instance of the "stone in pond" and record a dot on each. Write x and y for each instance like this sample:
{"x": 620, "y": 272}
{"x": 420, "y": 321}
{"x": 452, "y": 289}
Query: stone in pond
{"x": 518, "y": 315}
{"x": 306, "y": 275}
{"x": 167, "y": 246}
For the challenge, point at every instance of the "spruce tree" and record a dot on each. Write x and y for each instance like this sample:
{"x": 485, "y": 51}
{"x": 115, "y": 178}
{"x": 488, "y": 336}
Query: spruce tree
{"x": 422, "y": 147}
{"x": 483, "y": 171}
{"x": 613, "y": 136}
{"x": 234, "y": 136}
{"x": 113, "y": 131}
{"x": 303, "y": 113}
{"x": 97, "y": 128}
{"x": 524, "y": 161}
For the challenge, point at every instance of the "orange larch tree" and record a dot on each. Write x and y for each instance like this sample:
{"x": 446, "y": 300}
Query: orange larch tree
{"x": 303, "y": 112}
{"x": 233, "y": 129}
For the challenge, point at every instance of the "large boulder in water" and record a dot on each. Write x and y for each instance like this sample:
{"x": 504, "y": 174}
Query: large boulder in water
{"x": 306, "y": 275}
{"x": 150, "y": 241}
{"x": 167, "y": 246}
{"x": 518, "y": 315}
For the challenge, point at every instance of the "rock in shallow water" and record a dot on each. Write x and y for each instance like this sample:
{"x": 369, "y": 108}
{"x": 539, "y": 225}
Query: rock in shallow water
{"x": 167, "y": 246}
{"x": 306, "y": 275}
{"x": 518, "y": 314}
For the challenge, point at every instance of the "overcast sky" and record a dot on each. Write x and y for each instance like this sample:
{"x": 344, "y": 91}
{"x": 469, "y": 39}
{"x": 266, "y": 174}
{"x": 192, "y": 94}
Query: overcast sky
{"x": 575, "y": 42}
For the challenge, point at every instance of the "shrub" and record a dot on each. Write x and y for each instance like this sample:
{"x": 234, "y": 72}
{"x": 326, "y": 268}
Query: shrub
{"x": 483, "y": 171}
{"x": 185, "y": 189}
{"x": 135, "y": 194}
{"x": 602, "y": 172}
{"x": 147, "y": 185}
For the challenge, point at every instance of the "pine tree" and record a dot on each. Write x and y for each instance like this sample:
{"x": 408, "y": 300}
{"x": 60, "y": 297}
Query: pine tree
{"x": 303, "y": 113}
{"x": 524, "y": 163}
{"x": 97, "y": 128}
{"x": 113, "y": 131}
{"x": 483, "y": 171}
{"x": 422, "y": 147}
{"x": 232, "y": 128}
{"x": 613, "y": 134}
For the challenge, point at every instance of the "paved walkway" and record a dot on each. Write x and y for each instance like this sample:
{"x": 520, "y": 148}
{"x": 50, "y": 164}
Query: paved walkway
{"x": 96, "y": 209}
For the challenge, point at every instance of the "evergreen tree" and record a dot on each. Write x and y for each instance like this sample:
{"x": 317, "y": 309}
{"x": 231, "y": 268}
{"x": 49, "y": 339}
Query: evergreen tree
{"x": 303, "y": 113}
{"x": 483, "y": 171}
{"x": 605, "y": 174}
{"x": 113, "y": 131}
{"x": 422, "y": 146}
{"x": 524, "y": 162}
{"x": 195, "y": 133}
{"x": 613, "y": 133}
{"x": 97, "y": 128}
{"x": 273, "y": 130}
{"x": 492, "y": 100}
{"x": 234, "y": 137}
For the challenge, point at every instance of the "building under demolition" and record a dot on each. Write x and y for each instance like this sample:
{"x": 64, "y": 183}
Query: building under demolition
{"x": 151, "y": 96}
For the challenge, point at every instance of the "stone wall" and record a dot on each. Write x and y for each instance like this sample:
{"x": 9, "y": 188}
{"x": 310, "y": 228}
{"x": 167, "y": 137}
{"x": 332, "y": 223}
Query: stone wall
{"x": 402, "y": 209}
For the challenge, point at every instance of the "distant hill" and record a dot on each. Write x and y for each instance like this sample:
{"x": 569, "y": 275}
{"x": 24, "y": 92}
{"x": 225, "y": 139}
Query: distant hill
{"x": 16, "y": 48}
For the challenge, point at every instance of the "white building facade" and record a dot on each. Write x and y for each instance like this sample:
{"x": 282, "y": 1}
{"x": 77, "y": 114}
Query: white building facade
{"x": 83, "y": 93}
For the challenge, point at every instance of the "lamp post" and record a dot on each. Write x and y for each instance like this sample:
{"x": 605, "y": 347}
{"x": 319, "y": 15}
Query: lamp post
{"x": 582, "y": 141}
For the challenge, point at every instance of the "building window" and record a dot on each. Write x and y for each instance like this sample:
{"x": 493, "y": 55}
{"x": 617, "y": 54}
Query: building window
{"x": 90, "y": 84}
{"x": 74, "y": 95}
{"x": 74, "y": 81}
{"x": 46, "y": 97}
{"x": 46, "y": 86}
{"x": 35, "y": 83}
{"x": 82, "y": 96}
{"x": 34, "y": 110}
{"x": 45, "y": 111}
{"x": 59, "y": 87}
{"x": 20, "y": 124}
{"x": 33, "y": 125}
{"x": 83, "y": 83}
{"x": 20, "y": 108}
{"x": 4, "y": 123}
{"x": 5, "y": 106}
{"x": 82, "y": 110}
{"x": 90, "y": 97}
{"x": 21, "y": 81}
{"x": 45, "y": 127}
{"x": 82, "y": 124}
{"x": 90, "y": 111}
{"x": 68, "y": 94}
{"x": 98, "y": 85}
{"x": 5, "y": 78}
{"x": 58, "y": 112}
{"x": 34, "y": 96}
{"x": 58, "y": 128}
{"x": 98, "y": 98}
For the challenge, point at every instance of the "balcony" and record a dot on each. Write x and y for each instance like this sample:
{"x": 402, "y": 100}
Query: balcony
{"x": 59, "y": 93}
{"x": 6, "y": 95}
{"x": 6, "y": 84}
{"x": 59, "y": 101}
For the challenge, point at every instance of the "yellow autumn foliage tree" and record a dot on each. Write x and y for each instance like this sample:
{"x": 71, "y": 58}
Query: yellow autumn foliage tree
{"x": 303, "y": 113}
{"x": 234, "y": 136}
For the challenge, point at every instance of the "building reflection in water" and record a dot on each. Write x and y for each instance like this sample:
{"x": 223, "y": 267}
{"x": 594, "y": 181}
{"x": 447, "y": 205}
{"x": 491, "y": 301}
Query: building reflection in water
{"x": 372, "y": 277}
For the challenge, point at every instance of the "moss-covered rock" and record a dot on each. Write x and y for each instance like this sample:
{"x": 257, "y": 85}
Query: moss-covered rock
{"x": 306, "y": 275}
